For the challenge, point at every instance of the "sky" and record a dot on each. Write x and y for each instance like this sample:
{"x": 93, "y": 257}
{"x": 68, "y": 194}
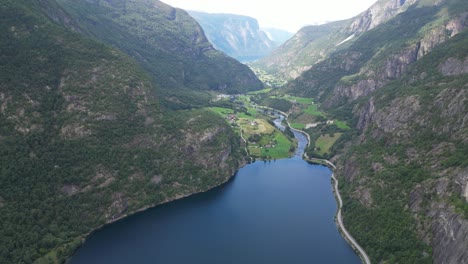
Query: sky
{"x": 289, "y": 15}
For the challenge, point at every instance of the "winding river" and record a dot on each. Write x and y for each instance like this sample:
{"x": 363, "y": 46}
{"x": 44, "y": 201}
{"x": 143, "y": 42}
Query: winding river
{"x": 269, "y": 212}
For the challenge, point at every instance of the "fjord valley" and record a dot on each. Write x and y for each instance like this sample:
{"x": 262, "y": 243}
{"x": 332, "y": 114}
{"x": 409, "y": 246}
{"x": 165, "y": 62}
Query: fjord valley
{"x": 239, "y": 36}
{"x": 110, "y": 107}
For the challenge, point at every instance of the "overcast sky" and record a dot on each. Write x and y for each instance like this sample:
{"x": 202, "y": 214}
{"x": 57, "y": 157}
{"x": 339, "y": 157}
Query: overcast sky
{"x": 284, "y": 14}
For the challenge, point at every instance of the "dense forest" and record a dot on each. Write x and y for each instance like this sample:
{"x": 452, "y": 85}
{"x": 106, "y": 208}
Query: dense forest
{"x": 84, "y": 137}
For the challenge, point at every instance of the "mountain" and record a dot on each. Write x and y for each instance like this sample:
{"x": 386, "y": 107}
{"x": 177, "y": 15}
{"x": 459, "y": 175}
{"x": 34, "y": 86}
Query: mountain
{"x": 168, "y": 43}
{"x": 279, "y": 36}
{"x": 313, "y": 44}
{"x": 238, "y": 36}
{"x": 398, "y": 73}
{"x": 85, "y": 134}
{"x": 308, "y": 46}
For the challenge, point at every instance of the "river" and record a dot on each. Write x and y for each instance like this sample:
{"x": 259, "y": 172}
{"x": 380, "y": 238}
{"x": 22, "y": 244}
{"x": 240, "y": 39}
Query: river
{"x": 269, "y": 212}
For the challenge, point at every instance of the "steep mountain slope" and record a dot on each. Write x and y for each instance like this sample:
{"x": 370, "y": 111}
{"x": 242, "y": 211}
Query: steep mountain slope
{"x": 383, "y": 53}
{"x": 402, "y": 82}
{"x": 238, "y": 36}
{"x": 406, "y": 174}
{"x": 83, "y": 141}
{"x": 308, "y": 46}
{"x": 313, "y": 44}
{"x": 168, "y": 43}
{"x": 279, "y": 36}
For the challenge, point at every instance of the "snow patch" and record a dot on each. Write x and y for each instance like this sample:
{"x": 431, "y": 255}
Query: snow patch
{"x": 346, "y": 40}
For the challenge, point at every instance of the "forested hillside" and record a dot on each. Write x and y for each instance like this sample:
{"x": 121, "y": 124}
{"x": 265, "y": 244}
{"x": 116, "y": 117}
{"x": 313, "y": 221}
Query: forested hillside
{"x": 401, "y": 82}
{"x": 83, "y": 137}
{"x": 169, "y": 44}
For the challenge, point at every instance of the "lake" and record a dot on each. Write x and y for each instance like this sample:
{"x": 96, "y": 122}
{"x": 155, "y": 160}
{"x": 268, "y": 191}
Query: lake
{"x": 270, "y": 212}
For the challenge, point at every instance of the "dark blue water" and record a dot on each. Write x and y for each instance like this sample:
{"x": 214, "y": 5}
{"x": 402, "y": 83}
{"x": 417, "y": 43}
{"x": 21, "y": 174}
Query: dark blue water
{"x": 273, "y": 212}
{"x": 270, "y": 212}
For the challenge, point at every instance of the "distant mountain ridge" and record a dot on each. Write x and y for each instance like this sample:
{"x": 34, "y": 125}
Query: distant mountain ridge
{"x": 314, "y": 43}
{"x": 238, "y": 36}
{"x": 278, "y": 35}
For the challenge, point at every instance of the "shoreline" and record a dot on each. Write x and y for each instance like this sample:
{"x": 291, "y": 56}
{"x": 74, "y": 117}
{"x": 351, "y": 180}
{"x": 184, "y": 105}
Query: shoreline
{"x": 338, "y": 217}
{"x": 149, "y": 207}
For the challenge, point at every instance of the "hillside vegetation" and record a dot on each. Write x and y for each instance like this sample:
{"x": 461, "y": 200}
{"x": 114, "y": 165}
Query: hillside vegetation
{"x": 84, "y": 139}
{"x": 169, "y": 44}
{"x": 400, "y": 83}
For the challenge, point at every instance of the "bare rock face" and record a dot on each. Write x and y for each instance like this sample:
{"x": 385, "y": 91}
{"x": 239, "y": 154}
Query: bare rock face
{"x": 118, "y": 207}
{"x": 416, "y": 198}
{"x": 238, "y": 36}
{"x": 399, "y": 116}
{"x": 156, "y": 179}
{"x": 350, "y": 169}
{"x": 457, "y": 25}
{"x": 397, "y": 65}
{"x": 441, "y": 34}
{"x": 454, "y": 66}
{"x": 461, "y": 183}
{"x": 393, "y": 68}
{"x": 70, "y": 189}
{"x": 364, "y": 196}
{"x": 396, "y": 118}
{"x": 450, "y": 236}
{"x": 74, "y": 130}
{"x": 453, "y": 107}
{"x": 362, "y": 88}
{"x": 366, "y": 114}
{"x": 379, "y": 13}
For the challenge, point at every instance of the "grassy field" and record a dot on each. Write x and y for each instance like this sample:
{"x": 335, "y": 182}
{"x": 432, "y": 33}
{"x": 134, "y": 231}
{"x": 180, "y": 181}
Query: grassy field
{"x": 222, "y": 111}
{"x": 300, "y": 100}
{"x": 271, "y": 143}
{"x": 324, "y": 143}
{"x": 305, "y": 118}
{"x": 298, "y": 125}
{"x": 267, "y": 90}
{"x": 273, "y": 146}
{"x": 313, "y": 110}
{"x": 341, "y": 124}
{"x": 257, "y": 126}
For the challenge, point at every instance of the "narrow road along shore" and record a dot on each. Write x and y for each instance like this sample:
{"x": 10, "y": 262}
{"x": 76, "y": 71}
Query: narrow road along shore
{"x": 339, "y": 217}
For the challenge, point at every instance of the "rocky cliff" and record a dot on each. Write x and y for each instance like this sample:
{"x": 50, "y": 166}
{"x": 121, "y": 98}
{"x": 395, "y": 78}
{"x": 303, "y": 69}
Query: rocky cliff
{"x": 415, "y": 143}
{"x": 313, "y": 44}
{"x": 382, "y": 54}
{"x": 400, "y": 78}
{"x": 238, "y": 36}
{"x": 412, "y": 150}
{"x": 308, "y": 46}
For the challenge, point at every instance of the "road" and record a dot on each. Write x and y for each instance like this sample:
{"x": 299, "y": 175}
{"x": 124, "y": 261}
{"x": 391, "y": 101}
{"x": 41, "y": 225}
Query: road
{"x": 339, "y": 218}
